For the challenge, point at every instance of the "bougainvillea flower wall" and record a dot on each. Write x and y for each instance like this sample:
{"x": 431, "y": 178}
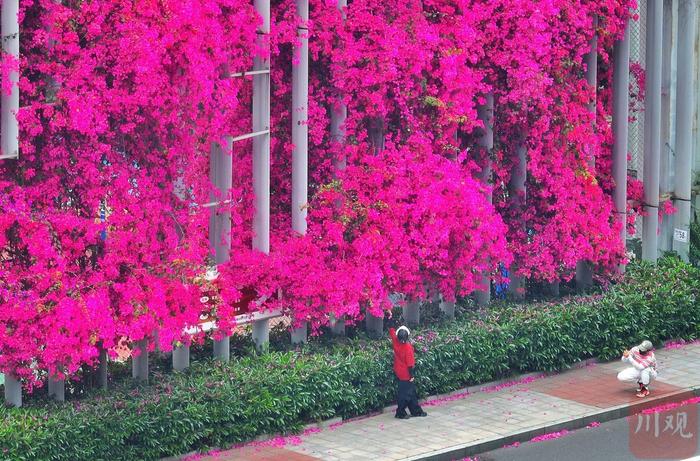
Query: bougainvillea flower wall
{"x": 102, "y": 234}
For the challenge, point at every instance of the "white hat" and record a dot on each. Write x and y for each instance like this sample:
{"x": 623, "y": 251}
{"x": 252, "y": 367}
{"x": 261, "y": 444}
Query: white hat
{"x": 645, "y": 346}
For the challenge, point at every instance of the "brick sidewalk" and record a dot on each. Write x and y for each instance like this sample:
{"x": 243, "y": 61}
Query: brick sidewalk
{"x": 486, "y": 417}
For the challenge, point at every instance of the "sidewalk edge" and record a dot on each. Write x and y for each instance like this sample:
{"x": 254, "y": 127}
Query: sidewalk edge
{"x": 525, "y": 435}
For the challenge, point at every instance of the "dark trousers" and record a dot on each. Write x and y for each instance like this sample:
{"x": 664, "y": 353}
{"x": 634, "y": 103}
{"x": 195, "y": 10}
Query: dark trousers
{"x": 408, "y": 398}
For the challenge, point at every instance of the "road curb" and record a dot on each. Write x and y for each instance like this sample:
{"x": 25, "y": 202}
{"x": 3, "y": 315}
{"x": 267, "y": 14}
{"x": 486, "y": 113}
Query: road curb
{"x": 524, "y": 435}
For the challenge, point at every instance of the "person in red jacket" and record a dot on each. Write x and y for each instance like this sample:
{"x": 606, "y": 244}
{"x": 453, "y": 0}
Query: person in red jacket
{"x": 404, "y": 361}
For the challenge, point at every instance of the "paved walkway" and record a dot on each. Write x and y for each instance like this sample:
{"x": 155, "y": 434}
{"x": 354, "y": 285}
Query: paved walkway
{"x": 483, "y": 418}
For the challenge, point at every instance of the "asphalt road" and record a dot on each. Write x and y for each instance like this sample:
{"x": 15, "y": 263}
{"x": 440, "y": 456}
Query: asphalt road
{"x": 629, "y": 439}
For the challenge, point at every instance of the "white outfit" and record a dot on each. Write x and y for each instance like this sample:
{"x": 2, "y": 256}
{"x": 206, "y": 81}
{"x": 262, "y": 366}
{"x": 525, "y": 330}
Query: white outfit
{"x": 637, "y": 372}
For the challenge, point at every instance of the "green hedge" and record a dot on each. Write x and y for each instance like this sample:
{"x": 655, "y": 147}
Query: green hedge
{"x": 215, "y": 405}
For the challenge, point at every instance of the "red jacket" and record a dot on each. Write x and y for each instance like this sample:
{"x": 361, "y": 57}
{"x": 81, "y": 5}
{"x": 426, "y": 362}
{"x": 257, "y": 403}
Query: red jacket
{"x": 403, "y": 357}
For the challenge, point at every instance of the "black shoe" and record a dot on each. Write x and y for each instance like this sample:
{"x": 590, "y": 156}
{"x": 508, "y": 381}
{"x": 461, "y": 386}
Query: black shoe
{"x": 422, "y": 413}
{"x": 403, "y": 416}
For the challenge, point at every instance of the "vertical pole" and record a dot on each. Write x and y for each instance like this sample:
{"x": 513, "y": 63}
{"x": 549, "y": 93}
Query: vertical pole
{"x": 448, "y": 307}
{"x": 9, "y": 104}
{"x": 139, "y": 365}
{"x": 339, "y": 112}
{"x": 518, "y": 196}
{"x": 485, "y": 114}
{"x": 411, "y": 312}
{"x": 374, "y": 325}
{"x": 261, "y": 334}
{"x": 300, "y": 334}
{"x": 584, "y": 272}
{"x": 102, "y": 372}
{"x": 181, "y": 357}
{"x": 261, "y": 156}
{"x": 221, "y": 176}
{"x": 13, "y": 391}
{"x": 687, "y": 28}
{"x": 222, "y": 349}
{"x": 300, "y": 137}
{"x": 666, "y": 161}
{"x": 620, "y": 127}
{"x": 300, "y": 130}
{"x": 57, "y": 388}
{"x": 261, "y": 144}
{"x": 652, "y": 129}
{"x": 337, "y": 326}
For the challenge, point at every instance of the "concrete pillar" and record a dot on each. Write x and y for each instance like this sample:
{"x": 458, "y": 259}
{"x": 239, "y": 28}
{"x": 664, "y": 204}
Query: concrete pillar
{"x": 103, "y": 369}
{"x": 666, "y": 160}
{"x": 553, "y": 288}
{"x": 261, "y": 158}
{"x": 584, "y": 271}
{"x": 652, "y": 128}
{"x": 685, "y": 101}
{"x": 448, "y": 307}
{"x": 339, "y": 112}
{"x": 9, "y": 129}
{"x": 13, "y": 391}
{"x": 518, "y": 196}
{"x": 57, "y": 388}
{"x": 300, "y": 118}
{"x": 300, "y": 334}
{"x": 261, "y": 335}
{"x": 222, "y": 349}
{"x": 620, "y": 126}
{"x": 485, "y": 141}
{"x": 337, "y": 325}
{"x": 411, "y": 313}
{"x": 221, "y": 176}
{"x": 591, "y": 60}
{"x": 181, "y": 357}
{"x": 374, "y": 325}
{"x": 139, "y": 365}
{"x": 300, "y": 138}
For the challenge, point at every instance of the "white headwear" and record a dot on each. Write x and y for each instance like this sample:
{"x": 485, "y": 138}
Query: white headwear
{"x": 645, "y": 346}
{"x": 403, "y": 327}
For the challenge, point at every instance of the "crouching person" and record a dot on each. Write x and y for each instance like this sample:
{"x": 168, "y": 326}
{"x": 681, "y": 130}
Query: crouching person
{"x": 643, "y": 368}
{"x": 404, "y": 361}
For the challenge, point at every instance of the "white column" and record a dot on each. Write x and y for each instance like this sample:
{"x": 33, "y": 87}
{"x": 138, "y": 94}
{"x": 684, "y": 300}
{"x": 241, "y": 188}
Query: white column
{"x": 221, "y": 176}
{"x": 261, "y": 157}
{"x": 261, "y": 335}
{"x": 448, "y": 307}
{"x": 57, "y": 388}
{"x": 300, "y": 137}
{"x": 652, "y": 129}
{"x": 518, "y": 190}
{"x": 300, "y": 334}
{"x": 261, "y": 144}
{"x": 9, "y": 129}
{"x": 181, "y": 357}
{"x": 339, "y": 112}
{"x": 300, "y": 118}
{"x": 13, "y": 391}
{"x": 411, "y": 312}
{"x": 685, "y": 101}
{"x": 374, "y": 325}
{"x": 666, "y": 160}
{"x": 620, "y": 126}
{"x": 139, "y": 365}
{"x": 103, "y": 368}
{"x": 584, "y": 272}
{"x": 485, "y": 113}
